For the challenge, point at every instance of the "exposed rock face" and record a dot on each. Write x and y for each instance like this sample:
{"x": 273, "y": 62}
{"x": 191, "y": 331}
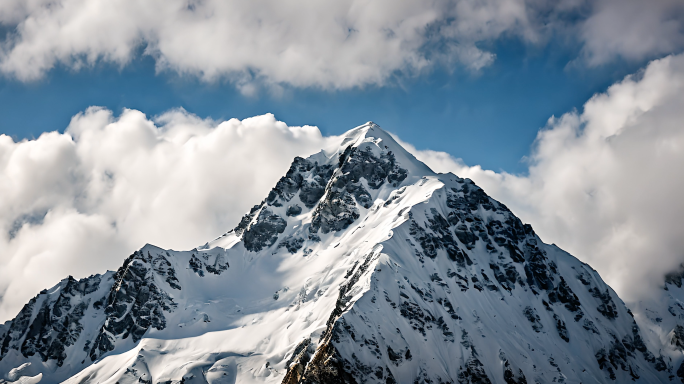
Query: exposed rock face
{"x": 512, "y": 377}
{"x": 335, "y": 213}
{"x": 357, "y": 167}
{"x": 135, "y": 303}
{"x": 50, "y": 327}
{"x": 360, "y": 266}
{"x": 50, "y": 323}
{"x": 305, "y": 179}
{"x": 264, "y": 231}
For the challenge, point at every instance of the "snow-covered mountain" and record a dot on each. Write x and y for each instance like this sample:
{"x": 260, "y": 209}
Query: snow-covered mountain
{"x": 361, "y": 266}
{"x": 661, "y": 319}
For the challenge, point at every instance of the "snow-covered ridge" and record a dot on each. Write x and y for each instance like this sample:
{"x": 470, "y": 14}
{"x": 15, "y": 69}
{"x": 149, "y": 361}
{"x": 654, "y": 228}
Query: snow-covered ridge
{"x": 361, "y": 265}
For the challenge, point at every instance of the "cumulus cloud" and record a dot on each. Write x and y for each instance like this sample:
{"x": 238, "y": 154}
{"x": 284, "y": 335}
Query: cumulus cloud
{"x": 79, "y": 202}
{"x": 328, "y": 45}
{"x": 632, "y": 30}
{"x": 605, "y": 184}
{"x": 302, "y": 43}
{"x": 338, "y": 45}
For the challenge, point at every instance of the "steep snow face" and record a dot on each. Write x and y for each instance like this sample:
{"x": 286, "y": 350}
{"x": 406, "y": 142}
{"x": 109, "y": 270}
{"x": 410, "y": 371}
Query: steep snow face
{"x": 464, "y": 292}
{"x": 662, "y": 321}
{"x": 361, "y": 266}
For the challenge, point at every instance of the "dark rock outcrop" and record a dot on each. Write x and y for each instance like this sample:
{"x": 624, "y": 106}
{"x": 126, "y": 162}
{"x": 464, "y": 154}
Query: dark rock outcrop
{"x": 135, "y": 304}
{"x": 263, "y": 231}
{"x": 57, "y": 323}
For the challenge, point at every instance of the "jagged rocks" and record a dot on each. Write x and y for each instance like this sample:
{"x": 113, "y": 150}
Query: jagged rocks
{"x": 465, "y": 236}
{"x": 305, "y": 177}
{"x": 395, "y": 357}
{"x": 590, "y": 326}
{"x": 677, "y": 338}
{"x": 263, "y": 231}
{"x": 536, "y": 268}
{"x": 617, "y": 354}
{"x": 449, "y": 308}
{"x": 50, "y": 333}
{"x": 326, "y": 367}
{"x": 18, "y": 327}
{"x": 439, "y": 237}
{"x": 134, "y": 305}
{"x": 292, "y": 244}
{"x": 56, "y": 325}
{"x": 162, "y": 266}
{"x": 334, "y": 213}
{"x": 337, "y": 210}
{"x": 473, "y": 372}
{"x": 561, "y": 328}
{"x": 512, "y": 377}
{"x": 675, "y": 277}
{"x": 293, "y": 210}
{"x": 467, "y": 199}
{"x": 508, "y": 234}
{"x": 247, "y": 219}
{"x": 312, "y": 191}
{"x": 357, "y": 163}
{"x": 564, "y": 294}
{"x": 196, "y": 265}
{"x": 487, "y": 282}
{"x": 415, "y": 315}
{"x": 531, "y": 315}
{"x": 219, "y": 266}
{"x": 606, "y": 307}
{"x": 507, "y": 275}
{"x": 298, "y": 361}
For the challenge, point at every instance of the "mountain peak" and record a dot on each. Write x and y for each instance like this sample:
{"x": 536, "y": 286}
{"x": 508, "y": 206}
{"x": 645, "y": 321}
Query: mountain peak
{"x": 360, "y": 266}
{"x": 366, "y": 132}
{"x": 371, "y": 136}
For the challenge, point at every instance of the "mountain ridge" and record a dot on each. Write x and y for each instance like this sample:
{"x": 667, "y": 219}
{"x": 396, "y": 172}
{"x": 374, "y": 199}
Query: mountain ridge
{"x": 361, "y": 265}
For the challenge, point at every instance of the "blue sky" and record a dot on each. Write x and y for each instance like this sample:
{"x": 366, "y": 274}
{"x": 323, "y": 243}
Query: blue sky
{"x": 489, "y": 117}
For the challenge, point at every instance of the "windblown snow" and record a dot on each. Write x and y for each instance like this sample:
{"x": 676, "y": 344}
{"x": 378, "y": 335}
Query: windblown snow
{"x": 361, "y": 266}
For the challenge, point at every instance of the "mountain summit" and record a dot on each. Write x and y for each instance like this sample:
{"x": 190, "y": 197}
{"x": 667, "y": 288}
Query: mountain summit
{"x": 362, "y": 265}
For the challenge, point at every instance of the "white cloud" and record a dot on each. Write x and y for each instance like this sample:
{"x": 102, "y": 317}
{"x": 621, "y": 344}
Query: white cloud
{"x": 632, "y": 29}
{"x": 606, "y": 184}
{"x": 330, "y": 45}
{"x": 302, "y": 43}
{"x": 79, "y": 202}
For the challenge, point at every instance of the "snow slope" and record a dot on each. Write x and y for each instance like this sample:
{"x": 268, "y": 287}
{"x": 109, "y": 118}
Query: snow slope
{"x": 661, "y": 319}
{"x": 361, "y": 266}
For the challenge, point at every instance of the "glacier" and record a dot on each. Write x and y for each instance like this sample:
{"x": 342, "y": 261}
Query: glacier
{"x": 362, "y": 265}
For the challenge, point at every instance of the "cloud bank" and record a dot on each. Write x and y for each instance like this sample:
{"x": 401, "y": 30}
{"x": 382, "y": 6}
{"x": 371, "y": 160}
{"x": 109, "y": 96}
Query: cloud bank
{"x": 329, "y": 45}
{"x": 78, "y": 203}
